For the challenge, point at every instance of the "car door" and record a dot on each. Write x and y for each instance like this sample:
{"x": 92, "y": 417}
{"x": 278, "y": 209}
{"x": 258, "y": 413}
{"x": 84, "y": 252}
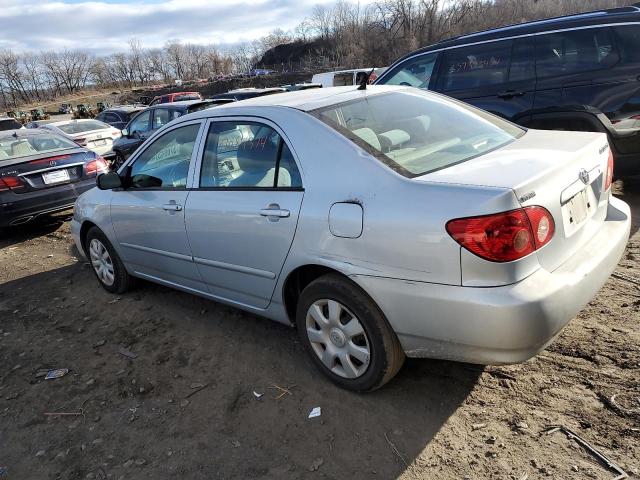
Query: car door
{"x": 574, "y": 70}
{"x": 148, "y": 216}
{"x": 242, "y": 216}
{"x": 498, "y": 77}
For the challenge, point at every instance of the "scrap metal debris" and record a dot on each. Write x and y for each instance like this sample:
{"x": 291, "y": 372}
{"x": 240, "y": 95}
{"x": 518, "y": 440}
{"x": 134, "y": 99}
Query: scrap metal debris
{"x": 257, "y": 395}
{"x": 127, "y": 353}
{"x": 571, "y": 435}
{"x": 57, "y": 373}
{"x": 316, "y": 412}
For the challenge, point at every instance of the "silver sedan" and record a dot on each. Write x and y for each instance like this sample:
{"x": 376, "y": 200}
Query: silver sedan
{"x": 381, "y": 223}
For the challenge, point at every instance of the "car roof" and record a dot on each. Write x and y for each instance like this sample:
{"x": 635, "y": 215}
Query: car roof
{"x": 598, "y": 17}
{"x": 125, "y": 108}
{"x": 55, "y": 123}
{"x": 23, "y": 133}
{"x": 304, "y": 100}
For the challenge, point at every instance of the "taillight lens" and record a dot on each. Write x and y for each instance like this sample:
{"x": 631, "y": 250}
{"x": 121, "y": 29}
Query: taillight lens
{"x": 92, "y": 168}
{"x": 11, "y": 183}
{"x": 506, "y": 236}
{"x": 609, "y": 178}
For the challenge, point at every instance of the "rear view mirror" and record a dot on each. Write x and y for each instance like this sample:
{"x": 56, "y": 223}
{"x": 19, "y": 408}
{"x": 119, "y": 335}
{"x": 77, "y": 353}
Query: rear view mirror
{"x": 109, "y": 181}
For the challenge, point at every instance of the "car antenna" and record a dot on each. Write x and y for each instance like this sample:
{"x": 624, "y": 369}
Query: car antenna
{"x": 365, "y": 80}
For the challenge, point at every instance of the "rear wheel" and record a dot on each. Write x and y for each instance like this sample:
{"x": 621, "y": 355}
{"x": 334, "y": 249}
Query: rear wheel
{"x": 347, "y": 335}
{"x": 106, "y": 263}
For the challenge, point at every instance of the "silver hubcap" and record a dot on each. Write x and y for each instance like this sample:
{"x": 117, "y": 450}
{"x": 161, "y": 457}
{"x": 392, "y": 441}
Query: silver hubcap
{"x": 337, "y": 337}
{"x": 101, "y": 261}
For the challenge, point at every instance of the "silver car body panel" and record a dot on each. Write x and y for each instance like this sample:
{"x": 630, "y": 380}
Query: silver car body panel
{"x": 441, "y": 300}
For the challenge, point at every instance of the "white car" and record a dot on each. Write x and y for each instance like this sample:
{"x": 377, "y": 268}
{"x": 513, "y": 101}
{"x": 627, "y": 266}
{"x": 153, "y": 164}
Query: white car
{"x": 95, "y": 135}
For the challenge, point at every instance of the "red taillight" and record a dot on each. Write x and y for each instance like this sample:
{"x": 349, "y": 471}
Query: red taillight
{"x": 609, "y": 178}
{"x": 506, "y": 236}
{"x": 99, "y": 165}
{"x": 11, "y": 183}
{"x": 115, "y": 133}
{"x": 81, "y": 141}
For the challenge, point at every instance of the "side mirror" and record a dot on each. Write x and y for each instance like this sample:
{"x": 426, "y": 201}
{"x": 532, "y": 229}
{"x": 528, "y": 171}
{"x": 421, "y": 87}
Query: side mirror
{"x": 109, "y": 181}
{"x": 125, "y": 132}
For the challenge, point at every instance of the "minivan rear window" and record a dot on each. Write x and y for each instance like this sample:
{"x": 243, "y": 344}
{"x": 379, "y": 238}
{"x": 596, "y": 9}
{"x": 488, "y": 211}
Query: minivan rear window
{"x": 415, "y": 132}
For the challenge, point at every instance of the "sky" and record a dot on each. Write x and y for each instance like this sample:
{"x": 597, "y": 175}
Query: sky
{"x": 105, "y": 26}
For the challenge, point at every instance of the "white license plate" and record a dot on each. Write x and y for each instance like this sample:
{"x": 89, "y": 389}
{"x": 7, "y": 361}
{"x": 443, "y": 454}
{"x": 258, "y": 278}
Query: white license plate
{"x": 56, "y": 176}
{"x": 99, "y": 143}
{"x": 578, "y": 208}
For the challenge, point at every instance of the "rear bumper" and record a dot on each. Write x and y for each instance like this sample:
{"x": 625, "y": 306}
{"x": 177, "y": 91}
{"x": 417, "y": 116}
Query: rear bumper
{"x": 17, "y": 209}
{"x": 498, "y": 325}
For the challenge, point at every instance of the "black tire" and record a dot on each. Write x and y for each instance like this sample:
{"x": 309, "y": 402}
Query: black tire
{"x": 122, "y": 281}
{"x": 385, "y": 352}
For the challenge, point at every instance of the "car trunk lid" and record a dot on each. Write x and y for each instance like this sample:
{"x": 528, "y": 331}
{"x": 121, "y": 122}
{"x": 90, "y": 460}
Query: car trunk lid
{"x": 560, "y": 171}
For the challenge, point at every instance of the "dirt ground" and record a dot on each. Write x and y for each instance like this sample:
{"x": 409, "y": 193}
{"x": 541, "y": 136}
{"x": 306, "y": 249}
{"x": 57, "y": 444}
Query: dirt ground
{"x": 149, "y": 417}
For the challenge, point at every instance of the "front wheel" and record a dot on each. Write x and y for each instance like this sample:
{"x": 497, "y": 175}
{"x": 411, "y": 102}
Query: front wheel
{"x": 106, "y": 263}
{"x": 346, "y": 334}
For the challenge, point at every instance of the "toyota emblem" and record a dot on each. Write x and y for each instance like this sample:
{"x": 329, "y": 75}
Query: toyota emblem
{"x": 584, "y": 176}
{"x": 53, "y": 163}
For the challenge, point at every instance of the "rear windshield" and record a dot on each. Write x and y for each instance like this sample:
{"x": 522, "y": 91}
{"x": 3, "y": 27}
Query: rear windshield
{"x": 188, "y": 96}
{"x": 79, "y": 127}
{"x": 9, "y": 124}
{"x": 415, "y": 132}
{"x": 24, "y": 146}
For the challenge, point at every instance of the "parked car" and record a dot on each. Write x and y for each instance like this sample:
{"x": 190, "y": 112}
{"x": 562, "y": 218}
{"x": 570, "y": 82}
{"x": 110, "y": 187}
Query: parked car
{"x": 578, "y": 72}
{"x": 146, "y": 122}
{"x": 429, "y": 228}
{"x": 346, "y": 77}
{"x": 175, "y": 97}
{"x": 90, "y": 133}
{"x": 245, "y": 93}
{"x": 9, "y": 123}
{"x": 42, "y": 172}
{"x": 118, "y": 116}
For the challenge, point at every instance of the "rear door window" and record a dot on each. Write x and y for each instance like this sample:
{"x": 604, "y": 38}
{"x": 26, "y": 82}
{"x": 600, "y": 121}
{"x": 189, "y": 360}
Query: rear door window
{"x": 415, "y": 72}
{"x": 142, "y": 123}
{"x": 575, "y": 51}
{"x": 247, "y": 155}
{"x": 476, "y": 66}
{"x": 628, "y": 39}
{"x": 10, "y": 124}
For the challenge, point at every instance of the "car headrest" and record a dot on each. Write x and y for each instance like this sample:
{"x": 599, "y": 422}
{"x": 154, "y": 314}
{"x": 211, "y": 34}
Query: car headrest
{"x": 258, "y": 155}
{"x": 368, "y": 136}
{"x": 22, "y": 148}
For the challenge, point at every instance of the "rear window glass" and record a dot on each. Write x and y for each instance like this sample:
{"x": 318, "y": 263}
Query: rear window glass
{"x": 24, "y": 146}
{"x": 188, "y": 96}
{"x": 574, "y": 52}
{"x": 79, "y": 127}
{"x": 476, "y": 66}
{"x": 414, "y": 132}
{"x": 9, "y": 124}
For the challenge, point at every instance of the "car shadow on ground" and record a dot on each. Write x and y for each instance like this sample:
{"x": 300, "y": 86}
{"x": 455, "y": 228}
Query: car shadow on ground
{"x": 42, "y": 226}
{"x": 628, "y": 190}
{"x": 147, "y": 406}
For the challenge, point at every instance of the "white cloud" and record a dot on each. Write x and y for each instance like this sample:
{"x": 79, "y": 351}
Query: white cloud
{"x": 106, "y": 25}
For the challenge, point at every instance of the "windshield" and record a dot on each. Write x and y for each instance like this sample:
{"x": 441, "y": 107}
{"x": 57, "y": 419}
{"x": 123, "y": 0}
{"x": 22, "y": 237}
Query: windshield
{"x": 415, "y": 132}
{"x": 24, "y": 146}
{"x": 79, "y": 127}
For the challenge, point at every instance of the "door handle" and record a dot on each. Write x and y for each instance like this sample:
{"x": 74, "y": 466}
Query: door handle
{"x": 274, "y": 210}
{"x": 510, "y": 94}
{"x": 172, "y": 207}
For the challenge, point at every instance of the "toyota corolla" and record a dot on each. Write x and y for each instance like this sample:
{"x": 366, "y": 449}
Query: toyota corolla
{"x": 383, "y": 223}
